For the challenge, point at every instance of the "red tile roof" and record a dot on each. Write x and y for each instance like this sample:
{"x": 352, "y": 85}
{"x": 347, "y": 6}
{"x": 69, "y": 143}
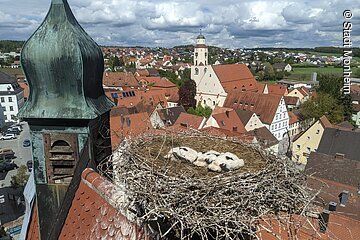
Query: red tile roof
{"x": 229, "y": 120}
{"x": 277, "y": 89}
{"x": 235, "y": 76}
{"x": 291, "y": 100}
{"x": 264, "y": 105}
{"x": 157, "y": 82}
{"x": 189, "y": 121}
{"x": 128, "y": 126}
{"x": 26, "y": 88}
{"x": 33, "y": 232}
{"x": 307, "y": 228}
{"x": 293, "y": 118}
{"x": 93, "y": 214}
{"x": 119, "y": 79}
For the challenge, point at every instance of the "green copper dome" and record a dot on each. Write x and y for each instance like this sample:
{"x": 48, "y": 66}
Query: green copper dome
{"x": 64, "y": 68}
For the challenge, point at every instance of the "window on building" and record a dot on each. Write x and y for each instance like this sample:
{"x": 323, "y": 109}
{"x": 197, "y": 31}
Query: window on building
{"x": 196, "y": 55}
{"x": 308, "y": 149}
{"x": 235, "y": 129}
{"x": 214, "y": 103}
{"x": 10, "y": 99}
{"x": 2, "y": 99}
{"x": 11, "y": 108}
{"x": 196, "y": 71}
{"x": 298, "y": 146}
{"x": 205, "y": 69}
{"x": 317, "y": 131}
{"x": 308, "y": 137}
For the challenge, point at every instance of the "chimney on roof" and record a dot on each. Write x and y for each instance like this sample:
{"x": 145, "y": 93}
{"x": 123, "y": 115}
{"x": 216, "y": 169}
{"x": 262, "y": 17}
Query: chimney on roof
{"x": 332, "y": 206}
{"x": 343, "y": 198}
{"x": 324, "y": 220}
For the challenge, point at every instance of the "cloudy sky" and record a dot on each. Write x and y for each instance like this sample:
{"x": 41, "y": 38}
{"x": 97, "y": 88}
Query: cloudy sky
{"x": 225, "y": 23}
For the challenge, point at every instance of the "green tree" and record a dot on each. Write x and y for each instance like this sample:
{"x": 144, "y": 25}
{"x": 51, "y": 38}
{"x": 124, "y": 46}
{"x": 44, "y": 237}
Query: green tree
{"x": 187, "y": 93}
{"x": 331, "y": 84}
{"x": 356, "y": 73}
{"x": 200, "y": 111}
{"x": 269, "y": 73}
{"x": 114, "y": 62}
{"x": 21, "y": 178}
{"x": 323, "y": 104}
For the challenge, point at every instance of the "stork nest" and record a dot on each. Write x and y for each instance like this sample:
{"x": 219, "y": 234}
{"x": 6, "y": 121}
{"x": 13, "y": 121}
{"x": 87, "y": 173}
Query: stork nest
{"x": 177, "y": 200}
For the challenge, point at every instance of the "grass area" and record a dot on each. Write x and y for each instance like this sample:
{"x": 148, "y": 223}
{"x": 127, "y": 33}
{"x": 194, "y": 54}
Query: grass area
{"x": 12, "y": 71}
{"x": 304, "y": 74}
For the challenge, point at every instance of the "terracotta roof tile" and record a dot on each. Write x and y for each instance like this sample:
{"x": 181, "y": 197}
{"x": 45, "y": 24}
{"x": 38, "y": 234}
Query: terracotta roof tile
{"x": 119, "y": 79}
{"x": 229, "y": 120}
{"x": 307, "y": 228}
{"x": 277, "y": 89}
{"x": 235, "y": 76}
{"x": 128, "y": 126}
{"x": 26, "y": 88}
{"x": 92, "y": 215}
{"x": 157, "y": 82}
{"x": 291, "y": 100}
{"x": 264, "y": 105}
{"x": 33, "y": 232}
{"x": 189, "y": 121}
{"x": 293, "y": 118}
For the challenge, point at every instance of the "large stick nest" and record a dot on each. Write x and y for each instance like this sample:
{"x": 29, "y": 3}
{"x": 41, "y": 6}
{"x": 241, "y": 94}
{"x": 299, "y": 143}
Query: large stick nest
{"x": 180, "y": 201}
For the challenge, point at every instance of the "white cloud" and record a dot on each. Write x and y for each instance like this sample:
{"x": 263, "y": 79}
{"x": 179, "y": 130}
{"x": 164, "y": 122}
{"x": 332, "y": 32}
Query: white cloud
{"x": 227, "y": 23}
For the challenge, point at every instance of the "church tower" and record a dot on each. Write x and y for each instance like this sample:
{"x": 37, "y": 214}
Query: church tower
{"x": 67, "y": 111}
{"x": 200, "y": 59}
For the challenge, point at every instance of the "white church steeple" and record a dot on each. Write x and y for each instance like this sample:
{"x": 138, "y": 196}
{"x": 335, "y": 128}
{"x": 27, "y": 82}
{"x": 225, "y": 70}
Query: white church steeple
{"x": 200, "y": 52}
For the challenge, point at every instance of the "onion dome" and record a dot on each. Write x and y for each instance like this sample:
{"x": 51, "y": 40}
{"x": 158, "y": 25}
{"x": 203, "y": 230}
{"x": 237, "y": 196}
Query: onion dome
{"x": 64, "y": 68}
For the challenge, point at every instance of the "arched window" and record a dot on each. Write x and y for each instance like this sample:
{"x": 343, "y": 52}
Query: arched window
{"x": 205, "y": 69}
{"x": 196, "y": 63}
{"x": 196, "y": 55}
{"x": 196, "y": 71}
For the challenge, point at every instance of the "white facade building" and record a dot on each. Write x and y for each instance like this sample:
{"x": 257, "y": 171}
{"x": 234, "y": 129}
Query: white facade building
{"x": 11, "y": 97}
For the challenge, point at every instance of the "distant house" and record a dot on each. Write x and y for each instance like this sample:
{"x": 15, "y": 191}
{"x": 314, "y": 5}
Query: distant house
{"x": 125, "y": 126}
{"x": 302, "y": 93}
{"x": 119, "y": 80}
{"x": 309, "y": 140}
{"x": 11, "y": 97}
{"x": 282, "y": 67}
{"x": 227, "y": 120}
{"x": 165, "y": 117}
{"x": 270, "y": 108}
{"x": 189, "y": 121}
{"x": 292, "y": 102}
{"x": 250, "y": 120}
{"x": 276, "y": 89}
{"x": 265, "y": 139}
{"x": 155, "y": 82}
{"x": 295, "y": 126}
